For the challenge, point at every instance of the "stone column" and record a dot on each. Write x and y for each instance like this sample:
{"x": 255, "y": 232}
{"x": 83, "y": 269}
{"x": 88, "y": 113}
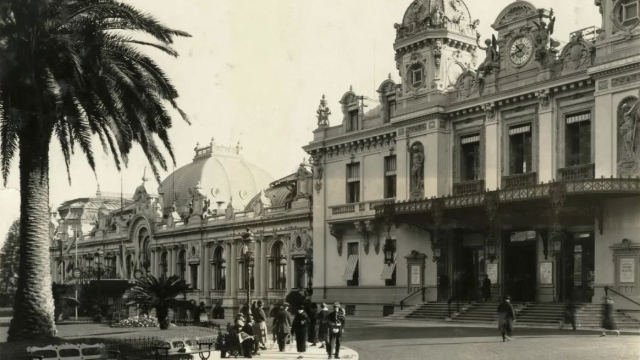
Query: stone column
{"x": 203, "y": 262}
{"x": 227, "y": 277}
{"x": 170, "y": 264}
{"x": 153, "y": 262}
{"x": 547, "y": 139}
{"x": 290, "y": 272}
{"x": 264, "y": 270}
{"x": 232, "y": 263}
{"x": 257, "y": 270}
{"x": 206, "y": 270}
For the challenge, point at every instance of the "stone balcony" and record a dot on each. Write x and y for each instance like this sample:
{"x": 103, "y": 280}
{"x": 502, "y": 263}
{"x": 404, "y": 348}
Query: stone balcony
{"x": 519, "y": 180}
{"x": 577, "y": 172}
{"x": 356, "y": 210}
{"x": 468, "y": 187}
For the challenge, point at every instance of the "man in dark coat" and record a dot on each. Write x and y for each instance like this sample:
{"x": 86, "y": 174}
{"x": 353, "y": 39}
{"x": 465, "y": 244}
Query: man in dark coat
{"x": 299, "y": 328}
{"x": 282, "y": 325}
{"x": 247, "y": 345}
{"x": 569, "y": 314}
{"x": 336, "y": 320}
{"x": 486, "y": 288}
{"x": 506, "y": 318}
{"x": 322, "y": 324}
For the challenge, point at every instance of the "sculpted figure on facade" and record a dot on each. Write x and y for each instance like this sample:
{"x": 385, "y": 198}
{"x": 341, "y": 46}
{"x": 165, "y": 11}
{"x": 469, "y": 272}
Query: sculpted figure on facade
{"x": 323, "y": 112}
{"x": 417, "y": 171}
{"x": 543, "y": 40}
{"x": 628, "y": 139}
{"x": 492, "y": 58}
{"x": 292, "y": 186}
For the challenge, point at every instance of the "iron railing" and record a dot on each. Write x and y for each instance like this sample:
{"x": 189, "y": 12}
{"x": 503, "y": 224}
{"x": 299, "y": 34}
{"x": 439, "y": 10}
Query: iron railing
{"x": 468, "y": 187}
{"x": 578, "y": 172}
{"x": 358, "y": 207}
{"x": 606, "y": 293}
{"x": 420, "y": 290}
{"x": 602, "y": 186}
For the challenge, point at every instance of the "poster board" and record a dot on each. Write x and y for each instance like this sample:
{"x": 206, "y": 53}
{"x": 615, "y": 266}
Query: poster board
{"x": 415, "y": 275}
{"x": 492, "y": 271}
{"x": 546, "y": 273}
{"x": 627, "y": 270}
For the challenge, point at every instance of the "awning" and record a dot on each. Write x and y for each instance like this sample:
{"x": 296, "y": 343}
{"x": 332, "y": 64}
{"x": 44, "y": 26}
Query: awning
{"x": 578, "y": 118}
{"x": 520, "y": 130}
{"x": 387, "y": 270}
{"x": 352, "y": 263}
{"x": 470, "y": 139}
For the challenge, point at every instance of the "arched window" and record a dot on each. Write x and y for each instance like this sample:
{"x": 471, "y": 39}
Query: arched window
{"x": 279, "y": 267}
{"x": 163, "y": 264}
{"x": 218, "y": 269}
{"x": 182, "y": 263}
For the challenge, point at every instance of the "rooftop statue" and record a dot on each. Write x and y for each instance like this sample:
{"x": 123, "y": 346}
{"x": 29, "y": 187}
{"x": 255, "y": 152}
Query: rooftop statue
{"x": 543, "y": 40}
{"x": 492, "y": 59}
{"x": 323, "y": 113}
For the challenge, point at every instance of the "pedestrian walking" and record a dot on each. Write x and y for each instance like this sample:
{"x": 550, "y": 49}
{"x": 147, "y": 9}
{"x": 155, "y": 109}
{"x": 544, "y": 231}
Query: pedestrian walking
{"x": 569, "y": 314}
{"x": 282, "y": 325}
{"x": 486, "y": 288}
{"x": 608, "y": 322}
{"x": 322, "y": 324}
{"x": 336, "y": 320}
{"x": 299, "y": 329}
{"x": 506, "y": 318}
{"x": 261, "y": 327}
{"x": 313, "y": 334}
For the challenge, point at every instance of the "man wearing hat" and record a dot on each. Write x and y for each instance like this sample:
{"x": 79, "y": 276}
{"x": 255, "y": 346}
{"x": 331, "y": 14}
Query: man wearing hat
{"x": 506, "y": 318}
{"x": 336, "y": 320}
{"x": 282, "y": 325}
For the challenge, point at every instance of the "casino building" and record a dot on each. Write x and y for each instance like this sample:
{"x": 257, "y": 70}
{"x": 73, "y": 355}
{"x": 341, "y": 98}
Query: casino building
{"x": 220, "y": 222}
{"x": 514, "y": 157}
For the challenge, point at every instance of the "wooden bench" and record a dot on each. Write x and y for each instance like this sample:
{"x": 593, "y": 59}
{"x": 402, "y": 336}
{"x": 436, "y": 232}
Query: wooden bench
{"x": 72, "y": 352}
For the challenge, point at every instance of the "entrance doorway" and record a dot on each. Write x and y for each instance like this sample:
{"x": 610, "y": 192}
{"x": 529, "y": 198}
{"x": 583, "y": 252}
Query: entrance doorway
{"x": 472, "y": 273}
{"x": 520, "y": 265}
{"x": 581, "y": 266}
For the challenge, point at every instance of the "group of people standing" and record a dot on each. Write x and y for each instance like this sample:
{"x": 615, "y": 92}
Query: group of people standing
{"x": 312, "y": 323}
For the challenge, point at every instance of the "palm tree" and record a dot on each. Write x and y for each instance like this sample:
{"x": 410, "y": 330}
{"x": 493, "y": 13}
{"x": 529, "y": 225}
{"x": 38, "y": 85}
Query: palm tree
{"x": 160, "y": 294}
{"x": 69, "y": 69}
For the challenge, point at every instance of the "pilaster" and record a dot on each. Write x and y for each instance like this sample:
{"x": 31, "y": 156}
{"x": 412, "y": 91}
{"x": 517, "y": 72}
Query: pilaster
{"x": 227, "y": 276}
{"x": 256, "y": 270}
{"x": 492, "y": 149}
{"x": 547, "y": 138}
{"x": 263, "y": 268}
{"x": 233, "y": 263}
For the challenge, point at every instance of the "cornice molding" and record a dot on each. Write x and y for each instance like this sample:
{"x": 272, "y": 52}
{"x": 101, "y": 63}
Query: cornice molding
{"x": 615, "y": 67}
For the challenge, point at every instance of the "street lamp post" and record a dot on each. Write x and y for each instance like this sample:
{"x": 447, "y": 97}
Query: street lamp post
{"x": 249, "y": 260}
{"x": 97, "y": 270}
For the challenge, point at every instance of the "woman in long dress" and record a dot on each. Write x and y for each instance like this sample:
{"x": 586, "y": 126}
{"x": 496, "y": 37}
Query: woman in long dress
{"x": 299, "y": 328}
{"x": 608, "y": 322}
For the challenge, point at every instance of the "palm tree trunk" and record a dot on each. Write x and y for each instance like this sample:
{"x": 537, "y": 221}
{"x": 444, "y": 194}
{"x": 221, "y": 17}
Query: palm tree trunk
{"x": 33, "y": 316}
{"x": 163, "y": 317}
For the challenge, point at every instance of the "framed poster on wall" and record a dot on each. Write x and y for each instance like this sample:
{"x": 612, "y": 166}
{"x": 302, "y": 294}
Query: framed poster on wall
{"x": 546, "y": 273}
{"x": 492, "y": 271}
{"x": 415, "y": 275}
{"x": 627, "y": 270}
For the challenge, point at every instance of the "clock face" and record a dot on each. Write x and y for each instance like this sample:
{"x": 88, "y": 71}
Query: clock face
{"x": 521, "y": 51}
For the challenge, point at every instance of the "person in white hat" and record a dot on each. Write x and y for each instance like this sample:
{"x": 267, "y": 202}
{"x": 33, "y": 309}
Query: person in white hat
{"x": 336, "y": 321}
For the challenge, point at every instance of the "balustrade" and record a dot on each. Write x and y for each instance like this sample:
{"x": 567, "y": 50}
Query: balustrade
{"x": 361, "y": 207}
{"x": 578, "y": 172}
{"x": 519, "y": 180}
{"x": 468, "y": 187}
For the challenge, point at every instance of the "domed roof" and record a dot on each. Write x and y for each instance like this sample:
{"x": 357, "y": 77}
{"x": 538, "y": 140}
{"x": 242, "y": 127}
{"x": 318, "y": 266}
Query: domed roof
{"x": 276, "y": 193}
{"x": 435, "y": 14}
{"x": 223, "y": 175}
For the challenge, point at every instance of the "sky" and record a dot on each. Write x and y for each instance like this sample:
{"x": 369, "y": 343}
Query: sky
{"x": 254, "y": 71}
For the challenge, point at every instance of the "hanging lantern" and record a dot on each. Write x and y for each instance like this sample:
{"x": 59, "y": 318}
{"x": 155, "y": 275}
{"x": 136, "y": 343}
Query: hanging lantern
{"x": 436, "y": 248}
{"x": 223, "y": 264}
{"x": 491, "y": 247}
{"x": 556, "y": 241}
{"x": 308, "y": 265}
{"x": 389, "y": 249}
{"x": 283, "y": 261}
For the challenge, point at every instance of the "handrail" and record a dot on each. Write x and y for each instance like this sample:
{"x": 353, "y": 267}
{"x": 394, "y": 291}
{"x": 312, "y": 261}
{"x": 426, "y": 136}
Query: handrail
{"x": 457, "y": 298}
{"x": 606, "y": 293}
{"x": 410, "y": 295}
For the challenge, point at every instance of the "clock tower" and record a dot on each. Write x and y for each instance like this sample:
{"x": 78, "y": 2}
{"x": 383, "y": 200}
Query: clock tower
{"x": 435, "y": 44}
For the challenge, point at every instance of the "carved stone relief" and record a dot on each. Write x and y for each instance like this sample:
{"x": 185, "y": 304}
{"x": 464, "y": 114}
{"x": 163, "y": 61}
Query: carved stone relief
{"x": 417, "y": 171}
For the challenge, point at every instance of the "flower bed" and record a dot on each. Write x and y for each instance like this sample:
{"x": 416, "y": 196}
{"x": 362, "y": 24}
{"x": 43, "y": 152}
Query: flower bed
{"x": 138, "y": 321}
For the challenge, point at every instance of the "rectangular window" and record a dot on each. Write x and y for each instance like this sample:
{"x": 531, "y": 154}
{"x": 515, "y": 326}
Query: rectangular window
{"x": 194, "y": 277}
{"x": 578, "y": 139}
{"x": 353, "y": 120}
{"x": 390, "y": 177}
{"x": 391, "y": 110}
{"x": 352, "y": 273}
{"x": 353, "y": 183}
{"x": 470, "y": 158}
{"x": 520, "y": 159}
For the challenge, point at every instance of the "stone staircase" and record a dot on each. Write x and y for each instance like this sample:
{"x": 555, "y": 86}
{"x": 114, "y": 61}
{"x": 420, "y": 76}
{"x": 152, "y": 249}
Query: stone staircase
{"x": 438, "y": 310}
{"x": 541, "y": 313}
{"x": 589, "y": 316}
{"x": 477, "y": 312}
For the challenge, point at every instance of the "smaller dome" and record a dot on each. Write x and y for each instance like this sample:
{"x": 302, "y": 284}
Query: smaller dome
{"x": 276, "y": 193}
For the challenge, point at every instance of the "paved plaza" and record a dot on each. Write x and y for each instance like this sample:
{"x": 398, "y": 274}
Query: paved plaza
{"x": 377, "y": 340}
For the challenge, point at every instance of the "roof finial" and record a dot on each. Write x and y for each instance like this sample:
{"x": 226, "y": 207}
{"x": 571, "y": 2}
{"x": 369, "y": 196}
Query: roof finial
{"x": 212, "y": 141}
{"x": 144, "y": 176}
{"x": 98, "y": 193}
{"x": 389, "y": 76}
{"x": 350, "y": 87}
{"x": 238, "y": 148}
